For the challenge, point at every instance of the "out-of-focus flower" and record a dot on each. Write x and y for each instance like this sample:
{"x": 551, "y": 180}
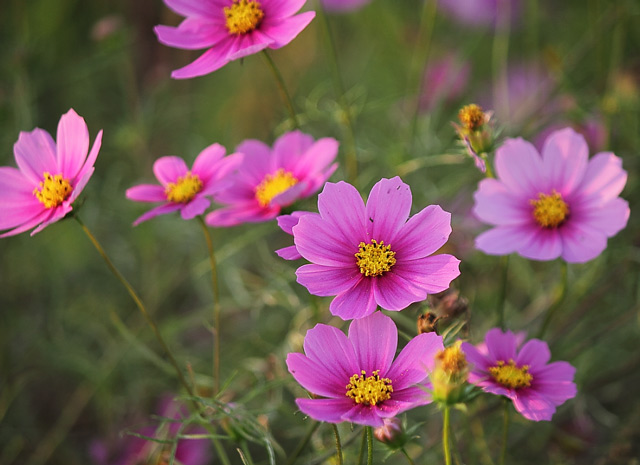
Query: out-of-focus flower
{"x": 592, "y": 129}
{"x": 343, "y": 6}
{"x": 449, "y": 374}
{"x": 184, "y": 189}
{"x": 375, "y": 254}
{"x": 391, "y": 433}
{"x": 477, "y": 133}
{"x": 356, "y": 377}
{"x": 560, "y": 204}
{"x": 132, "y": 450}
{"x": 270, "y": 179}
{"x": 49, "y": 177}
{"x": 444, "y": 80}
{"x": 231, "y": 29}
{"x": 481, "y": 13}
{"x": 535, "y": 386}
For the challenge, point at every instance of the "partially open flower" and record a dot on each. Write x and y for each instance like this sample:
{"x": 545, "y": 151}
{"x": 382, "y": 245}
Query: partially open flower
{"x": 449, "y": 374}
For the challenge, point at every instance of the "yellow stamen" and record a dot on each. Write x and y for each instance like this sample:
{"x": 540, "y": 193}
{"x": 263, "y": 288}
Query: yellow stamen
{"x": 243, "y": 16}
{"x": 274, "y": 184}
{"x": 549, "y": 211}
{"x": 509, "y": 375}
{"x": 471, "y": 117}
{"x": 375, "y": 259}
{"x": 451, "y": 360}
{"x": 184, "y": 189}
{"x": 53, "y": 190}
{"x": 369, "y": 390}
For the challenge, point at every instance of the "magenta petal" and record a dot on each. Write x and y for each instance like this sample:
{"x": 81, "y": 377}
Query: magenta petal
{"x": 520, "y": 168}
{"x": 329, "y": 410}
{"x": 387, "y": 210}
{"x": 604, "y": 178}
{"x": 364, "y": 415}
{"x": 430, "y": 274}
{"x": 316, "y": 157}
{"x": 284, "y": 8}
{"x": 564, "y": 157}
{"x": 146, "y": 193}
{"x": 423, "y": 234}
{"x": 289, "y": 253}
{"x": 415, "y": 361}
{"x": 197, "y": 206}
{"x": 91, "y": 159}
{"x": 314, "y": 378}
{"x": 211, "y": 60}
{"x": 501, "y": 346}
{"x": 392, "y": 292}
{"x": 283, "y": 31}
{"x": 319, "y": 243}
{"x": 354, "y": 303}
{"x": 206, "y": 163}
{"x": 533, "y": 406}
{"x": 287, "y": 222}
{"x": 543, "y": 244}
{"x": 326, "y": 280}
{"x": 288, "y": 150}
{"x": 503, "y": 240}
{"x": 340, "y": 204}
{"x": 581, "y": 243}
{"x": 192, "y": 7}
{"x": 375, "y": 339}
{"x": 191, "y": 34}
{"x": 169, "y": 169}
{"x": 555, "y": 372}
{"x": 249, "y": 212}
{"x": 495, "y": 204}
{"x": 160, "y": 210}
{"x": 257, "y": 160}
{"x": 289, "y": 196}
{"x": 534, "y": 353}
{"x": 35, "y": 154}
{"x": 330, "y": 348}
{"x": 476, "y": 359}
{"x": 609, "y": 219}
{"x": 56, "y": 214}
{"x": 73, "y": 143}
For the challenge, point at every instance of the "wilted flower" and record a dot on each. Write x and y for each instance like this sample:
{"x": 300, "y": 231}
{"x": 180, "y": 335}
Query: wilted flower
{"x": 49, "y": 177}
{"x": 270, "y": 179}
{"x": 524, "y": 375}
{"x": 184, "y": 189}
{"x": 560, "y": 204}
{"x": 356, "y": 377}
{"x": 231, "y": 29}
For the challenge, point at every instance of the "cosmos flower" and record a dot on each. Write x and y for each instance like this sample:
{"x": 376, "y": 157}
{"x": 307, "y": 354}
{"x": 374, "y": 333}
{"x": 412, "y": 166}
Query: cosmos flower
{"x": 375, "y": 254}
{"x": 354, "y": 378}
{"x": 524, "y": 375}
{"x": 480, "y": 13}
{"x": 559, "y": 204}
{"x": 269, "y": 179}
{"x": 184, "y": 189}
{"x": 231, "y": 29}
{"x": 445, "y": 79}
{"x": 343, "y": 6}
{"x": 49, "y": 177}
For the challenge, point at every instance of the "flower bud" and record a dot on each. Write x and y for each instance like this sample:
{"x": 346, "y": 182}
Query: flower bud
{"x": 391, "y": 433}
{"x": 449, "y": 374}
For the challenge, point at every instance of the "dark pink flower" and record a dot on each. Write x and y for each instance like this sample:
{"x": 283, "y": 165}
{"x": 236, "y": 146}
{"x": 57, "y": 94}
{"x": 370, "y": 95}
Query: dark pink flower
{"x": 524, "y": 375}
{"x": 560, "y": 204}
{"x": 375, "y": 254}
{"x": 49, "y": 177}
{"x": 356, "y": 376}
{"x": 231, "y": 29}
{"x": 184, "y": 189}
{"x": 269, "y": 179}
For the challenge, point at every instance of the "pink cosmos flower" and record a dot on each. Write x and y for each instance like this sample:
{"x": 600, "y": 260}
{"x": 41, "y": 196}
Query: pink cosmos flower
{"x": 269, "y": 179}
{"x": 49, "y": 177}
{"x": 231, "y": 29}
{"x": 444, "y": 81}
{"x": 524, "y": 376}
{"x": 356, "y": 376}
{"x": 559, "y": 204}
{"x": 186, "y": 189}
{"x": 373, "y": 255}
{"x": 480, "y": 13}
{"x": 343, "y": 6}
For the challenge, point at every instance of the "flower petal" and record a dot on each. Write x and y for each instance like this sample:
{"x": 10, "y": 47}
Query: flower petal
{"x": 320, "y": 243}
{"x": 28, "y": 224}
{"x": 329, "y": 410}
{"x": 330, "y": 349}
{"x": 365, "y": 415}
{"x": 535, "y": 353}
{"x": 91, "y": 159}
{"x": 283, "y": 31}
{"x": 603, "y": 180}
{"x": 192, "y": 34}
{"x": 211, "y": 60}
{"x": 316, "y": 158}
{"x": 415, "y": 361}
{"x": 197, "y": 206}
{"x": 387, "y": 210}
{"x": 283, "y": 8}
{"x": 501, "y": 345}
{"x": 146, "y": 193}
{"x": 326, "y": 280}
{"x": 533, "y": 406}
{"x": 503, "y": 240}
{"x": 169, "y": 169}
{"x": 392, "y": 292}
{"x": 35, "y": 154}
{"x": 430, "y": 274}
{"x": 423, "y": 234}
{"x": 564, "y": 157}
{"x": 609, "y": 219}
{"x": 520, "y": 168}
{"x": 247, "y": 212}
{"x": 342, "y": 207}
{"x": 73, "y": 143}
{"x": 289, "y": 253}
{"x": 288, "y": 150}
{"x": 580, "y": 243}
{"x": 495, "y": 204}
{"x": 356, "y": 302}
{"x": 192, "y": 7}
{"x": 543, "y": 244}
{"x": 314, "y": 378}
{"x": 159, "y": 210}
{"x": 375, "y": 339}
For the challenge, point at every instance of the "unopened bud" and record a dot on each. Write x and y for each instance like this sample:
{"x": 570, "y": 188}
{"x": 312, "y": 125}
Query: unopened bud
{"x": 390, "y": 433}
{"x": 472, "y": 117}
{"x": 449, "y": 374}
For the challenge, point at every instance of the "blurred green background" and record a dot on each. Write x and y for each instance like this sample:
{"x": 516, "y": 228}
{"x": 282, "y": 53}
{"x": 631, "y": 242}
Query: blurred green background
{"x": 77, "y": 362}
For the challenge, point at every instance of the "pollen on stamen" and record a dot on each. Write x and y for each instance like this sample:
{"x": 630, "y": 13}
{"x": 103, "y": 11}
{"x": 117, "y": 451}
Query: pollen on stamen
{"x": 550, "y": 210}
{"x": 53, "y": 190}
{"x": 375, "y": 259}
{"x": 369, "y": 390}
{"x": 184, "y": 189}
{"x": 243, "y": 16}
{"x": 510, "y": 375}
{"x": 273, "y": 185}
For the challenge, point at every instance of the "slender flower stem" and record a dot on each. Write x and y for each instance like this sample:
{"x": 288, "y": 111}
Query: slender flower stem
{"x": 369, "y": 445}
{"x": 338, "y": 444}
{"x": 139, "y": 304}
{"x": 502, "y": 298}
{"x": 283, "y": 89}
{"x": 302, "y": 444}
{"x": 445, "y": 435}
{"x": 216, "y": 307}
{"x": 363, "y": 446}
{"x": 557, "y": 303}
{"x": 404, "y": 452}
{"x": 505, "y": 432}
{"x": 351, "y": 162}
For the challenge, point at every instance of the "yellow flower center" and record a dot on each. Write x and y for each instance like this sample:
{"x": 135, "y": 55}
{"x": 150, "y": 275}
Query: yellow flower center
{"x": 511, "y": 376}
{"x": 549, "y": 211}
{"x": 369, "y": 390}
{"x": 243, "y": 16}
{"x": 184, "y": 189}
{"x": 53, "y": 190}
{"x": 471, "y": 117}
{"x": 375, "y": 259}
{"x": 274, "y": 184}
{"x": 452, "y": 360}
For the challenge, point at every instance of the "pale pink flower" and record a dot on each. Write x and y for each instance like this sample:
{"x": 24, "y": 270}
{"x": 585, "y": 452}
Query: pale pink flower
{"x": 49, "y": 177}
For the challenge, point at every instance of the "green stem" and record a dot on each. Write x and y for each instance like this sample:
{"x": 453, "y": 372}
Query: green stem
{"x": 404, "y": 452}
{"x": 505, "y": 432}
{"x": 138, "y": 303}
{"x": 502, "y": 298}
{"x": 363, "y": 446}
{"x": 351, "y": 161}
{"x": 283, "y": 89}
{"x": 312, "y": 429}
{"x": 557, "y": 301}
{"x": 445, "y": 435}
{"x": 338, "y": 445}
{"x": 216, "y": 306}
{"x": 369, "y": 445}
{"x": 500, "y": 53}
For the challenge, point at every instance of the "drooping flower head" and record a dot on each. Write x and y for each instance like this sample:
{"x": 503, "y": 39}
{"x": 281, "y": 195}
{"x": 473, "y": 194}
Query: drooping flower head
{"x": 49, "y": 177}
{"x": 373, "y": 254}
{"x": 184, "y": 189}
{"x": 524, "y": 375}
{"x": 356, "y": 375}
{"x": 231, "y": 29}
{"x": 269, "y": 179}
{"x": 560, "y": 204}
{"x": 343, "y": 6}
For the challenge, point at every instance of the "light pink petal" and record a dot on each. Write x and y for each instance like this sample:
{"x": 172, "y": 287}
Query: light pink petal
{"x": 354, "y": 303}
{"x": 330, "y": 349}
{"x": 503, "y": 240}
{"x": 288, "y": 149}
{"x": 609, "y": 218}
{"x": 192, "y": 34}
{"x": 375, "y": 339}
{"x": 248, "y": 44}
{"x": 17, "y": 202}
{"x": 249, "y": 212}
{"x": 169, "y": 169}
{"x": 580, "y": 243}
{"x": 501, "y": 346}
{"x": 222, "y": 174}
{"x": 257, "y": 160}
{"x": 564, "y": 157}
{"x": 56, "y": 215}
{"x": 91, "y": 159}
{"x": 316, "y": 158}
{"x": 80, "y": 185}
{"x": 327, "y": 280}
{"x": 387, "y": 210}
{"x": 415, "y": 361}
{"x": 35, "y": 154}
{"x": 197, "y": 206}
{"x": 533, "y": 406}
{"x": 431, "y": 274}
{"x": 520, "y": 168}
{"x": 423, "y": 234}
{"x": 193, "y": 7}
{"x": 73, "y": 143}
{"x": 495, "y": 204}
{"x": 603, "y": 180}
{"x": 314, "y": 183}
{"x": 282, "y": 8}
{"x": 365, "y": 415}
{"x": 392, "y": 292}
{"x": 342, "y": 207}
{"x": 287, "y": 222}
{"x": 146, "y": 193}
{"x": 534, "y": 353}
{"x": 283, "y": 31}
{"x": 159, "y": 210}
{"x": 12, "y": 216}
{"x": 206, "y": 163}
{"x": 319, "y": 243}
{"x": 289, "y": 253}
{"x": 543, "y": 244}
{"x": 313, "y": 378}
{"x": 211, "y": 60}
{"x": 329, "y": 410}
{"x": 476, "y": 359}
